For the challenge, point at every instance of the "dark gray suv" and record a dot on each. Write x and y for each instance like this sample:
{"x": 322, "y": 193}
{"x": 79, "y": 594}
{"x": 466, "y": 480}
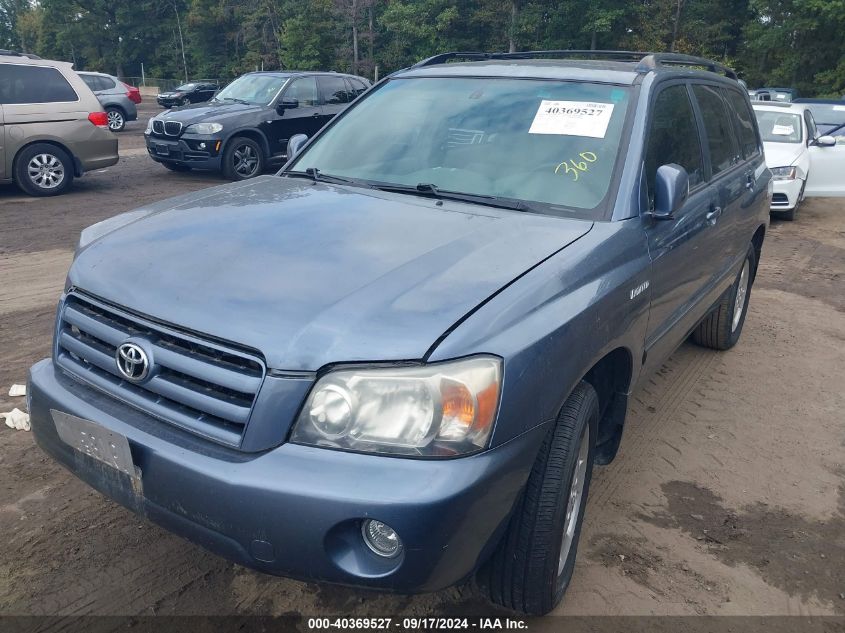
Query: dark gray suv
{"x": 395, "y": 363}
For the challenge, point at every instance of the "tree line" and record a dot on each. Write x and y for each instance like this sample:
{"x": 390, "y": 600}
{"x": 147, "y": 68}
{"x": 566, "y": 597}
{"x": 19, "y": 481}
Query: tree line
{"x": 791, "y": 43}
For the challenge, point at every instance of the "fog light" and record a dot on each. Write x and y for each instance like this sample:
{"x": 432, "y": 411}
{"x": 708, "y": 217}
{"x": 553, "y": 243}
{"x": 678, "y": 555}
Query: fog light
{"x": 381, "y": 538}
{"x": 202, "y": 145}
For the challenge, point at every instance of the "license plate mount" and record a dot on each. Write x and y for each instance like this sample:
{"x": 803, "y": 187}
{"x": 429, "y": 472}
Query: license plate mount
{"x": 97, "y": 442}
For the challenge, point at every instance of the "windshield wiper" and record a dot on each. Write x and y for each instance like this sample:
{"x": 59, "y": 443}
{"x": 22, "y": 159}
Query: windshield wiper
{"x": 317, "y": 176}
{"x": 235, "y": 99}
{"x": 430, "y": 190}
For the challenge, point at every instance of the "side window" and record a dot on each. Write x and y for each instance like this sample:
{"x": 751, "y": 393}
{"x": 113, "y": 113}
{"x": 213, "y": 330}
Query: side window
{"x": 90, "y": 81}
{"x": 717, "y": 125}
{"x": 107, "y": 83}
{"x": 33, "y": 84}
{"x": 305, "y": 90}
{"x": 358, "y": 86}
{"x": 673, "y": 137}
{"x": 334, "y": 90}
{"x": 744, "y": 120}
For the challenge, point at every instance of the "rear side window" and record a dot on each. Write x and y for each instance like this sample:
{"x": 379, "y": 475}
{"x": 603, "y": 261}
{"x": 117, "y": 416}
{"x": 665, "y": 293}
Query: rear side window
{"x": 33, "y": 84}
{"x": 107, "y": 83}
{"x": 718, "y": 127}
{"x": 744, "y": 120}
{"x": 90, "y": 81}
{"x": 334, "y": 90}
{"x": 673, "y": 137}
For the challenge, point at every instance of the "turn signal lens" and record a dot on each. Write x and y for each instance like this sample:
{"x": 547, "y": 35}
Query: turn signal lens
{"x": 100, "y": 119}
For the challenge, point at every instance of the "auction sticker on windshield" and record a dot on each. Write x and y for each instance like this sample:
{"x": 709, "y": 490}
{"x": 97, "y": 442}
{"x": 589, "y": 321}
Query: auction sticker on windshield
{"x": 572, "y": 118}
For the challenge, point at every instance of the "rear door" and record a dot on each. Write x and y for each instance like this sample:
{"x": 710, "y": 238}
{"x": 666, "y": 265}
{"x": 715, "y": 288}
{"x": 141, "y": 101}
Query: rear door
{"x": 680, "y": 247}
{"x": 336, "y": 96}
{"x": 730, "y": 181}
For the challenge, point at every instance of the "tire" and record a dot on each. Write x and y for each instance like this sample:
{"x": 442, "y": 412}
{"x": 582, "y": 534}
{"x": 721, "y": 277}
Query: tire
{"x": 43, "y": 170}
{"x": 117, "y": 120}
{"x": 530, "y": 570}
{"x": 242, "y": 159}
{"x": 183, "y": 102}
{"x": 722, "y": 327}
{"x": 176, "y": 167}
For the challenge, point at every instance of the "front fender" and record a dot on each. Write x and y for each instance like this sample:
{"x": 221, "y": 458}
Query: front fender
{"x": 553, "y": 324}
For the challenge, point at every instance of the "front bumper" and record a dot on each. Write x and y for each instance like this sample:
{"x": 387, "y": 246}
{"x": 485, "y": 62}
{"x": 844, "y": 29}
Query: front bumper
{"x": 185, "y": 151}
{"x": 296, "y": 510}
{"x": 786, "y": 194}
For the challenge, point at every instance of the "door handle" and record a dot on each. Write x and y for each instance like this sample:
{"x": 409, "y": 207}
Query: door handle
{"x": 713, "y": 215}
{"x": 315, "y": 115}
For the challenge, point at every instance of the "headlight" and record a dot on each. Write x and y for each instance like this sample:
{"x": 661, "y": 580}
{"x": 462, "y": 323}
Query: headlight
{"x": 783, "y": 173}
{"x": 439, "y": 410}
{"x": 203, "y": 128}
{"x": 149, "y": 129}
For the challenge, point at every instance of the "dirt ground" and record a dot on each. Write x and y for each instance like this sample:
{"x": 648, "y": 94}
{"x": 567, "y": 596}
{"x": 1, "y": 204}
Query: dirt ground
{"x": 727, "y": 497}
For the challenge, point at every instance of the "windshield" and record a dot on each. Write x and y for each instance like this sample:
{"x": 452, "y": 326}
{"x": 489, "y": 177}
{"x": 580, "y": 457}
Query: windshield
{"x": 548, "y": 142}
{"x": 779, "y": 127}
{"x": 184, "y": 87}
{"x": 252, "y": 89}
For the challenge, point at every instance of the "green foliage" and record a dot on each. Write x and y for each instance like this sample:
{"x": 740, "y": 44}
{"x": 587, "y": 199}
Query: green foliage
{"x": 799, "y": 43}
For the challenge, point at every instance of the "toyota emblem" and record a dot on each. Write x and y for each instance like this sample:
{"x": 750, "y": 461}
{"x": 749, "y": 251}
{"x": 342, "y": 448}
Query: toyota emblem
{"x": 132, "y": 362}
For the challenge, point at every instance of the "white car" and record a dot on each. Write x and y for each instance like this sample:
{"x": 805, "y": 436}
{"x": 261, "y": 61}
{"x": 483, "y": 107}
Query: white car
{"x": 802, "y": 162}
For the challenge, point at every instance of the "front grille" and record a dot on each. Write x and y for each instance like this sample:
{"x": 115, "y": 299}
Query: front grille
{"x": 195, "y": 384}
{"x": 158, "y": 126}
{"x": 172, "y": 128}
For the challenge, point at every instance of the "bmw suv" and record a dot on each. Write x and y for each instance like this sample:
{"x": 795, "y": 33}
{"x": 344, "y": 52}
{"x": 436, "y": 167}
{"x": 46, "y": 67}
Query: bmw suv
{"x": 395, "y": 363}
{"x": 245, "y": 128}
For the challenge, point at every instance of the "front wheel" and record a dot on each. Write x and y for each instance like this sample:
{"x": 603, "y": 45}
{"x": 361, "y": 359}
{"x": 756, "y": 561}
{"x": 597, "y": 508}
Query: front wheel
{"x": 116, "y": 119}
{"x": 722, "y": 327}
{"x": 242, "y": 159}
{"x": 532, "y": 567}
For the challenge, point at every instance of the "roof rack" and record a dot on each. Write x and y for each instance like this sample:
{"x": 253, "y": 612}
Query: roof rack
{"x": 646, "y": 61}
{"x": 9, "y": 53}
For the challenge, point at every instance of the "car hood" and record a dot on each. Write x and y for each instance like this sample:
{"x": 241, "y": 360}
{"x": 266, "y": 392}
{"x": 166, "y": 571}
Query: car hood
{"x": 782, "y": 154}
{"x": 309, "y": 274}
{"x": 201, "y": 112}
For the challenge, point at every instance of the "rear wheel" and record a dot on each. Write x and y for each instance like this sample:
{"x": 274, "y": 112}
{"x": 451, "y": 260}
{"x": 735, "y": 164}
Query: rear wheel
{"x": 117, "y": 121}
{"x": 533, "y": 564}
{"x": 722, "y": 327}
{"x": 43, "y": 170}
{"x": 242, "y": 159}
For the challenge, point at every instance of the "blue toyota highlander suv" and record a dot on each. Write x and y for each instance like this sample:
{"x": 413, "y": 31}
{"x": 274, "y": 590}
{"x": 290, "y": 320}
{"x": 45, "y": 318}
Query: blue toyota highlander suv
{"x": 395, "y": 363}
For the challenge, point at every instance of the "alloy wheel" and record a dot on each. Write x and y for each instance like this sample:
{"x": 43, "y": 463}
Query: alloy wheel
{"x": 741, "y": 295}
{"x": 245, "y": 160}
{"x": 46, "y": 171}
{"x": 573, "y": 502}
{"x": 115, "y": 120}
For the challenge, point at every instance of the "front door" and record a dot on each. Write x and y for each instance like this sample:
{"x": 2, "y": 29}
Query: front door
{"x": 2, "y": 145}
{"x": 827, "y": 167}
{"x": 303, "y": 119}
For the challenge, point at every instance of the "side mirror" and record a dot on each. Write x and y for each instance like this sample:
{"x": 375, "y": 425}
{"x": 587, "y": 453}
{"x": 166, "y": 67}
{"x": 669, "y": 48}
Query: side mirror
{"x": 287, "y": 104}
{"x": 671, "y": 188}
{"x": 295, "y": 144}
{"x": 825, "y": 141}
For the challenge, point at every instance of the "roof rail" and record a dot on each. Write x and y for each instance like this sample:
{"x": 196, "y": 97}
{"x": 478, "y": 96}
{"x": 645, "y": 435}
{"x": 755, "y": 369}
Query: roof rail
{"x": 655, "y": 60}
{"x": 9, "y": 53}
{"x": 646, "y": 61}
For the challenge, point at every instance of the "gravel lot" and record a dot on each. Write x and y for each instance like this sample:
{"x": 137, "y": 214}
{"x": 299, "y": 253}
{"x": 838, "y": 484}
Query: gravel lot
{"x": 728, "y": 496}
